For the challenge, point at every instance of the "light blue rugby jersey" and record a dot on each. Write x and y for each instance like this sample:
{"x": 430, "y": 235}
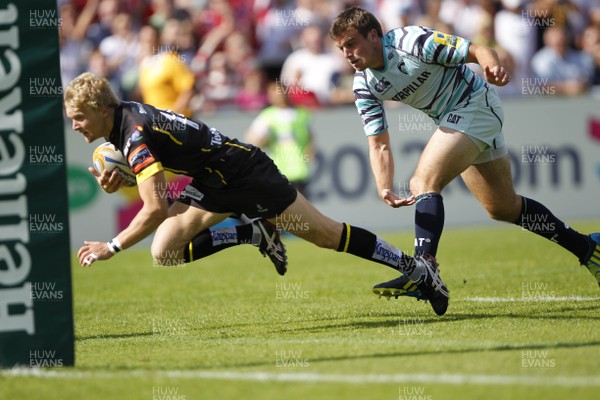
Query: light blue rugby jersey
{"x": 424, "y": 68}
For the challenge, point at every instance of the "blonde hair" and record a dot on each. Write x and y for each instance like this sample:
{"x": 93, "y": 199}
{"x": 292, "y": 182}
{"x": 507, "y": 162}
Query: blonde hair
{"x": 87, "y": 90}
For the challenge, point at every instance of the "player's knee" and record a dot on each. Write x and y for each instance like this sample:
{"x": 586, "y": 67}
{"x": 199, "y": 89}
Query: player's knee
{"x": 499, "y": 213}
{"x": 506, "y": 210}
{"x": 419, "y": 185}
{"x": 162, "y": 255}
{"x": 416, "y": 186}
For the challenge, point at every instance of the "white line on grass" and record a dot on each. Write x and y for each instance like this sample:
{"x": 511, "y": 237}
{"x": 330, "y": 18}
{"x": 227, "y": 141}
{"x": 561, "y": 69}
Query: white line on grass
{"x": 527, "y": 299}
{"x": 450, "y": 379}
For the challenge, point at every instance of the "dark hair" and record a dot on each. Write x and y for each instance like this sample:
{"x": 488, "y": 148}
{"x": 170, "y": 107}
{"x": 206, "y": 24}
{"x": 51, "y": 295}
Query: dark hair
{"x": 357, "y": 18}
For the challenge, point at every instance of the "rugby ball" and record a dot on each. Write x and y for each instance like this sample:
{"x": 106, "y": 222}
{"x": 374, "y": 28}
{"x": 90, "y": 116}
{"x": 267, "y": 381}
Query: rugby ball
{"x": 108, "y": 157}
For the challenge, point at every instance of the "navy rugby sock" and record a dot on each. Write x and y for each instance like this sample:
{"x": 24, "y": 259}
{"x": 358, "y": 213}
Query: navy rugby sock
{"x": 536, "y": 218}
{"x": 429, "y": 223}
{"x": 364, "y": 244}
{"x": 211, "y": 241}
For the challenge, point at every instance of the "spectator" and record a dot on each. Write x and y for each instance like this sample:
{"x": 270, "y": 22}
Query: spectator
{"x": 514, "y": 32}
{"x": 74, "y": 48}
{"x": 226, "y": 72}
{"x": 565, "y": 14}
{"x": 566, "y": 70}
{"x": 102, "y": 28}
{"x": 463, "y": 15}
{"x": 177, "y": 36}
{"x": 284, "y": 132}
{"x": 312, "y": 68}
{"x": 186, "y": 43}
{"x": 162, "y": 10}
{"x": 214, "y": 24}
{"x": 431, "y": 17}
{"x": 121, "y": 48}
{"x": 275, "y": 28}
{"x": 397, "y": 13}
{"x": 165, "y": 80}
{"x": 99, "y": 67}
{"x": 593, "y": 12}
{"x": 310, "y": 12}
{"x": 252, "y": 96}
{"x": 590, "y": 44}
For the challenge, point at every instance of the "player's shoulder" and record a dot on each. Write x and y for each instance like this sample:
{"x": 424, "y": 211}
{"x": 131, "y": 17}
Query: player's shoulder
{"x": 397, "y": 36}
{"x": 360, "y": 80}
{"x": 135, "y": 113}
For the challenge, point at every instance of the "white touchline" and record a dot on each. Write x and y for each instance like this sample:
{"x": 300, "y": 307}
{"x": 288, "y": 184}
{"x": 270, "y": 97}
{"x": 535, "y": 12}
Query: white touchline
{"x": 450, "y": 379}
{"x": 528, "y": 299}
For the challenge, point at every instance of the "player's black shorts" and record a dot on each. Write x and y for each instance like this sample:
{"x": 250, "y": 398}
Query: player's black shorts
{"x": 260, "y": 190}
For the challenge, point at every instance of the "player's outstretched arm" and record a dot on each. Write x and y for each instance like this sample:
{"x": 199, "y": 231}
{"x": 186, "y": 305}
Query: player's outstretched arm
{"x": 487, "y": 57}
{"x": 382, "y": 165}
{"x": 152, "y": 214}
{"x": 154, "y": 211}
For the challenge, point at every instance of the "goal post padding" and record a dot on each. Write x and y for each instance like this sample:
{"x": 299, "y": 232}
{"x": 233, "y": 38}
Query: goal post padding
{"x": 36, "y": 311}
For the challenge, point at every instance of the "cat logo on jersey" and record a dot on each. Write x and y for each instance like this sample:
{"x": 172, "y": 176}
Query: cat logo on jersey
{"x": 445, "y": 39}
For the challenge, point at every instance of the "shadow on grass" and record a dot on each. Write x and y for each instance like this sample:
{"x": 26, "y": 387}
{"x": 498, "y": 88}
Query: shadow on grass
{"x": 113, "y": 336}
{"x": 437, "y": 352}
{"x": 566, "y": 312}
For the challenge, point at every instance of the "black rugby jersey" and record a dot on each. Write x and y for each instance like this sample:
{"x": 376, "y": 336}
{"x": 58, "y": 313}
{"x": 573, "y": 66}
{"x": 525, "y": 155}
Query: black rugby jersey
{"x": 153, "y": 140}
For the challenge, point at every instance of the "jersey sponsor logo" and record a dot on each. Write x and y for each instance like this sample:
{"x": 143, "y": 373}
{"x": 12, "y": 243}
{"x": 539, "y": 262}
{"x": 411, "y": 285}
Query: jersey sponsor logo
{"x": 383, "y": 85}
{"x": 387, "y": 253}
{"x": 140, "y": 158}
{"x": 412, "y": 87}
{"x": 445, "y": 39}
{"x": 135, "y": 136}
{"x": 390, "y": 55}
{"x": 419, "y": 241}
{"x": 453, "y": 118}
{"x": 192, "y": 193}
{"x": 216, "y": 137}
{"x": 261, "y": 209}
{"x": 224, "y": 236}
{"x": 402, "y": 67}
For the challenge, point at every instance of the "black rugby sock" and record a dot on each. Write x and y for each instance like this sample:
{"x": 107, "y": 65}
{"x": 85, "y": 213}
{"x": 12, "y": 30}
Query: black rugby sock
{"x": 364, "y": 244}
{"x": 536, "y": 218}
{"x": 211, "y": 241}
{"x": 429, "y": 223}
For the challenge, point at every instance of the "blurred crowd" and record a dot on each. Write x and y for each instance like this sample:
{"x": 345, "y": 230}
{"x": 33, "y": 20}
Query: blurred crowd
{"x": 199, "y": 56}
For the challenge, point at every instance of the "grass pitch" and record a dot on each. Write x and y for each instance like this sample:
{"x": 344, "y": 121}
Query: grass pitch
{"x": 523, "y": 322}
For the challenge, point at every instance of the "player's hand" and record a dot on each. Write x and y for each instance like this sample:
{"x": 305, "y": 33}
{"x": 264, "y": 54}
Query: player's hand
{"x": 93, "y": 251}
{"x": 392, "y": 199}
{"x": 497, "y": 75}
{"x": 109, "y": 182}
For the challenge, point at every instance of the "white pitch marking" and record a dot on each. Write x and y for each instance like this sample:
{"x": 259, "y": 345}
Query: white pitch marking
{"x": 450, "y": 379}
{"x": 531, "y": 299}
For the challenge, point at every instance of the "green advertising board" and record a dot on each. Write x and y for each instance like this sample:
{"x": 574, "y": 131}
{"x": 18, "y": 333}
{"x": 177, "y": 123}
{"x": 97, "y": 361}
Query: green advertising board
{"x": 36, "y": 312}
